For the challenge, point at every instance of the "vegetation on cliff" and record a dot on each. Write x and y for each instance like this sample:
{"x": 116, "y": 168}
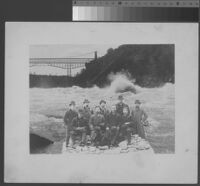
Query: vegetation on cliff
{"x": 150, "y": 66}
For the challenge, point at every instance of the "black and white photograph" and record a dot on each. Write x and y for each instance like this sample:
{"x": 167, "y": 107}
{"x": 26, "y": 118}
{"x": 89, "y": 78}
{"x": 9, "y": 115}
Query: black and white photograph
{"x": 101, "y": 102}
{"x": 102, "y": 99}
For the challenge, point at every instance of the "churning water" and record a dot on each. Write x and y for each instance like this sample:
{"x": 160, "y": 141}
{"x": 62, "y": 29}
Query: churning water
{"x": 48, "y": 106}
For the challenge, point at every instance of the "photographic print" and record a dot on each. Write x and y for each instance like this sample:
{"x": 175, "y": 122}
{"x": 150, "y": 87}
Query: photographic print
{"x": 101, "y": 102}
{"x": 102, "y": 98}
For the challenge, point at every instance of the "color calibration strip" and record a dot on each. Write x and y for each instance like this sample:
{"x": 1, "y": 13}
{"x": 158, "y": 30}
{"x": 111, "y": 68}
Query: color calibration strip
{"x": 136, "y": 10}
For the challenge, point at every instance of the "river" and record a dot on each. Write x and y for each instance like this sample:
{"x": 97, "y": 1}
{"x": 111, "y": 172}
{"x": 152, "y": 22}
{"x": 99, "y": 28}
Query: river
{"x": 48, "y": 106}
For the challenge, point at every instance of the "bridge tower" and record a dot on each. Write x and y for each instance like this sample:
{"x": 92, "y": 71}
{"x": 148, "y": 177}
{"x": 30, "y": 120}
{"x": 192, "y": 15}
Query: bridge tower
{"x": 95, "y": 55}
{"x": 69, "y": 70}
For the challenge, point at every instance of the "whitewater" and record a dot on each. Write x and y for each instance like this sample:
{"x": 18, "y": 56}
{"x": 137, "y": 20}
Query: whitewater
{"x": 48, "y": 106}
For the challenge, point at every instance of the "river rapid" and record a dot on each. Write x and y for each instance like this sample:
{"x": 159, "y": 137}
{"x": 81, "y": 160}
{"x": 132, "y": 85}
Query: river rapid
{"x": 48, "y": 106}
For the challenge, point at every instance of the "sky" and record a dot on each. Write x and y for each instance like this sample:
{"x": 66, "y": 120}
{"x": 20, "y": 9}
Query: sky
{"x": 63, "y": 51}
{"x": 68, "y": 50}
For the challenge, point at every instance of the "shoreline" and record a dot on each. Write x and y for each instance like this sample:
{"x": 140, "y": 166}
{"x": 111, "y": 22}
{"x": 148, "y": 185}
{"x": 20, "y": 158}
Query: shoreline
{"x": 52, "y": 81}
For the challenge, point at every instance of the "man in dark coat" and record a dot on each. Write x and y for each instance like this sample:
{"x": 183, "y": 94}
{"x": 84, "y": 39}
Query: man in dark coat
{"x": 106, "y": 132}
{"x": 139, "y": 117}
{"x": 69, "y": 115}
{"x": 103, "y": 110}
{"x": 79, "y": 126}
{"x": 87, "y": 112}
{"x": 86, "y": 109}
{"x": 97, "y": 126}
{"x": 120, "y": 105}
{"x": 126, "y": 126}
{"x": 113, "y": 124}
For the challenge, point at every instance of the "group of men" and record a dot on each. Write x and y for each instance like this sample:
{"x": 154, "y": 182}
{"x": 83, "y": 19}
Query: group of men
{"x": 100, "y": 126}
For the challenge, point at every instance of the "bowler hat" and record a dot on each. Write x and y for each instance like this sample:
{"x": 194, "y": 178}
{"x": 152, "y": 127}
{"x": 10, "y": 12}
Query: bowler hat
{"x": 137, "y": 101}
{"x": 102, "y": 101}
{"x": 120, "y": 97}
{"x": 86, "y": 101}
{"x": 72, "y": 103}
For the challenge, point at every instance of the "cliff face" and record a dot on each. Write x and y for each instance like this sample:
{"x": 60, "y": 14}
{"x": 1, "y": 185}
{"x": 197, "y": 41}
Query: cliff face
{"x": 149, "y": 65}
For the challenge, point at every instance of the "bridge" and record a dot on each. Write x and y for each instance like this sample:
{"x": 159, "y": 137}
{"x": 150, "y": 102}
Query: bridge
{"x": 63, "y": 63}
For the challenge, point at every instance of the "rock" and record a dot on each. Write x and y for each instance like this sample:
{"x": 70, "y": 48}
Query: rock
{"x": 129, "y": 88}
{"x": 124, "y": 151}
{"x": 103, "y": 147}
{"x": 123, "y": 145}
{"x": 92, "y": 149}
{"x": 132, "y": 149}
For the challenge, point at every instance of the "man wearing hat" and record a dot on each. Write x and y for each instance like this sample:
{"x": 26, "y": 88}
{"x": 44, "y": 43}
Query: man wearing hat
{"x": 120, "y": 105}
{"x": 102, "y": 105}
{"x": 126, "y": 126}
{"x": 139, "y": 117}
{"x": 113, "y": 124}
{"x": 105, "y": 130}
{"x": 79, "y": 125}
{"x": 69, "y": 115}
{"x": 86, "y": 108}
{"x": 87, "y": 112}
{"x": 97, "y": 126}
{"x": 103, "y": 110}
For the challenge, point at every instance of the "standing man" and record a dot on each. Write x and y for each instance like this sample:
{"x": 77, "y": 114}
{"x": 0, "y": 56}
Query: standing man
{"x": 87, "y": 112}
{"x": 113, "y": 124}
{"x": 120, "y": 105}
{"x": 97, "y": 126}
{"x": 69, "y": 115}
{"x": 79, "y": 126}
{"x": 103, "y": 110}
{"x": 139, "y": 117}
{"x": 105, "y": 113}
{"x": 86, "y": 109}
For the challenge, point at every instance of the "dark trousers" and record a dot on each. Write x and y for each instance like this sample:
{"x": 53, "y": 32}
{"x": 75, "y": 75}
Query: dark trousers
{"x": 95, "y": 135}
{"x": 105, "y": 138}
{"x": 74, "y": 133}
{"x": 126, "y": 131}
{"x": 67, "y": 129}
{"x": 99, "y": 136}
{"x": 114, "y": 132}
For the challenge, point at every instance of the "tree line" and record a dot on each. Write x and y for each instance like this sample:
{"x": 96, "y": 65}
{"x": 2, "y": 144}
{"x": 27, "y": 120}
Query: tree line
{"x": 149, "y": 65}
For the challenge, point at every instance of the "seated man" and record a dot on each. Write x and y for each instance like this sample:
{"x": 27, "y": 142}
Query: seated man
{"x": 79, "y": 125}
{"x": 126, "y": 126}
{"x": 113, "y": 124}
{"x": 97, "y": 126}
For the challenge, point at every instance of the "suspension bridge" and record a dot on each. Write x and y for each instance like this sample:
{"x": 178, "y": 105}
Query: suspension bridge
{"x": 69, "y": 63}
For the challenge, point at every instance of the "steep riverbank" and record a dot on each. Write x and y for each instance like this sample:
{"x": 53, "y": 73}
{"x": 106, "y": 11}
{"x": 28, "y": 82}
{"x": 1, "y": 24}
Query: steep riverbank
{"x": 149, "y": 65}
